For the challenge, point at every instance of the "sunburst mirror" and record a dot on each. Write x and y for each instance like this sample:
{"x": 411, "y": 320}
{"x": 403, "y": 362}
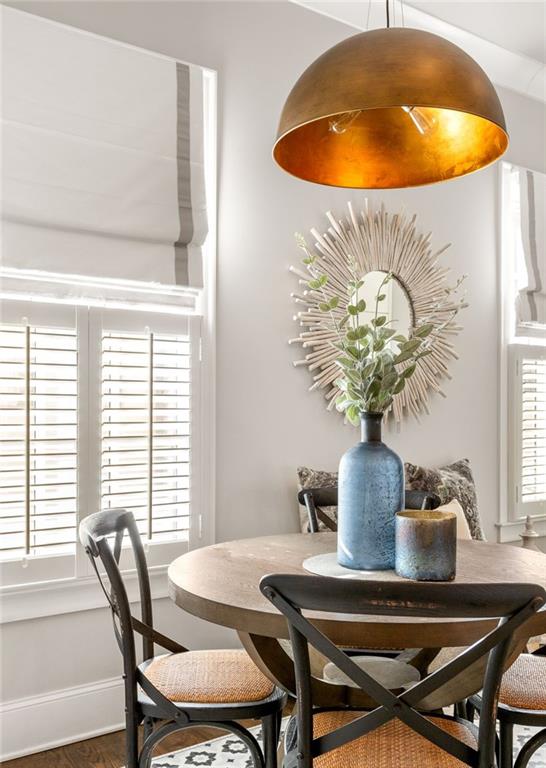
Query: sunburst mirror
{"x": 378, "y": 243}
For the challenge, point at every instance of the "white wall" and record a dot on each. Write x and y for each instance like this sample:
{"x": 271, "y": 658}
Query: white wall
{"x": 267, "y": 421}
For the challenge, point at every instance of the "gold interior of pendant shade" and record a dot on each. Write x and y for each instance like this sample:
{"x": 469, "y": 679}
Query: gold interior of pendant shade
{"x": 348, "y": 120}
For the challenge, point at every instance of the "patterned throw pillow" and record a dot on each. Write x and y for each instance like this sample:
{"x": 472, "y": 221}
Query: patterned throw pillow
{"x": 316, "y": 478}
{"x": 453, "y": 481}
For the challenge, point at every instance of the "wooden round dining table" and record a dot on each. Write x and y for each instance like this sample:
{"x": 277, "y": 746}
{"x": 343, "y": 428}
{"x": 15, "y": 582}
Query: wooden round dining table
{"x": 220, "y": 584}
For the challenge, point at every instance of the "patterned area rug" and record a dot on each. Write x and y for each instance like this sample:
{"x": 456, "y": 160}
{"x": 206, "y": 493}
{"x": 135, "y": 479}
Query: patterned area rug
{"x": 229, "y": 752}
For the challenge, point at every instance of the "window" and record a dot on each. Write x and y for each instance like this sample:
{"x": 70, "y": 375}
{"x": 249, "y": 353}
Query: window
{"x": 528, "y": 408}
{"x": 100, "y": 409}
{"x": 523, "y": 352}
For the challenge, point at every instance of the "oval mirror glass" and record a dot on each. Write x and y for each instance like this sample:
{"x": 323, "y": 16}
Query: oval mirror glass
{"x": 395, "y": 306}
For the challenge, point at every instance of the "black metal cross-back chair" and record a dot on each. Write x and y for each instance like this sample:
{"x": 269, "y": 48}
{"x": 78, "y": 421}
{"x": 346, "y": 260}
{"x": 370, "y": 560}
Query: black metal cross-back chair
{"x": 316, "y": 499}
{"x": 184, "y": 688}
{"x": 414, "y": 733}
{"x": 522, "y": 701}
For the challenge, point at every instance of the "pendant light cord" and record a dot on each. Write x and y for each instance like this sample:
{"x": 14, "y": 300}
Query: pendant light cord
{"x": 388, "y": 14}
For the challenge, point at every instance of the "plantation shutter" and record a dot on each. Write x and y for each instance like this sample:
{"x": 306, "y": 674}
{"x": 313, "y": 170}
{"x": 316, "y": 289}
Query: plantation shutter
{"x": 530, "y": 407}
{"x": 38, "y": 440}
{"x": 146, "y": 441}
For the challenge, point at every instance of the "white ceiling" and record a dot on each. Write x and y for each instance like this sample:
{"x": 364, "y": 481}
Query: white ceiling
{"x": 506, "y": 37}
{"x": 516, "y": 26}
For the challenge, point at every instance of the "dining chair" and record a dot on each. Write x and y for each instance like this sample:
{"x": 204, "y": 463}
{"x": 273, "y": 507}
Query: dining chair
{"x": 183, "y": 688}
{"x": 316, "y": 499}
{"x": 522, "y": 701}
{"x": 402, "y": 730}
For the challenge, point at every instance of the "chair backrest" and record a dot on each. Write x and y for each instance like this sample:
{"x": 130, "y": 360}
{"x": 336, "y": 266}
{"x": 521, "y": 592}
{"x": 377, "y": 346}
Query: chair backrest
{"x": 315, "y": 499}
{"x": 95, "y": 532}
{"x": 513, "y": 605}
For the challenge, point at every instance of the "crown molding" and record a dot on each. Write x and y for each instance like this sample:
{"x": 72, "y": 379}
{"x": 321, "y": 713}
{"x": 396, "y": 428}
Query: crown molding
{"x": 505, "y": 68}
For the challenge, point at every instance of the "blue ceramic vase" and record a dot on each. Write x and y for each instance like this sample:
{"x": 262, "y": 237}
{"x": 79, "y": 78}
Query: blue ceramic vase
{"x": 371, "y": 492}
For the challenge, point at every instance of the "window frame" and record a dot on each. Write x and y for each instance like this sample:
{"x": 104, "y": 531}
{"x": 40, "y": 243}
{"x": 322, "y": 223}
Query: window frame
{"x": 52, "y": 592}
{"x": 509, "y": 524}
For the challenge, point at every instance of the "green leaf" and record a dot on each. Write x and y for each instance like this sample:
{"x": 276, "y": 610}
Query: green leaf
{"x": 373, "y": 388}
{"x": 400, "y": 339}
{"x": 324, "y": 307}
{"x": 345, "y": 362}
{"x": 424, "y": 353}
{"x": 361, "y": 306}
{"x": 309, "y": 260}
{"x": 386, "y": 333}
{"x": 318, "y": 282}
{"x": 399, "y": 386}
{"x": 351, "y": 335}
{"x": 352, "y": 310}
{"x": 362, "y": 331}
{"x": 381, "y": 296}
{"x": 389, "y": 381}
{"x": 354, "y": 352}
{"x": 379, "y": 321}
{"x": 353, "y": 414}
{"x": 378, "y": 345}
{"x": 409, "y": 371}
{"x": 411, "y": 345}
{"x": 334, "y": 301}
{"x": 402, "y": 357}
{"x": 423, "y": 330}
{"x": 354, "y": 377}
{"x": 341, "y": 384}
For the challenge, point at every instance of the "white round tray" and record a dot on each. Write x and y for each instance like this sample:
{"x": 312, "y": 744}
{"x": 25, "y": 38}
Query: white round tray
{"x": 327, "y": 565}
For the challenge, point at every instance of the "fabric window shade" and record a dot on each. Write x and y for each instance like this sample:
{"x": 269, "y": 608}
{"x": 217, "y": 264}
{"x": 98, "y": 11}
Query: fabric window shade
{"x": 103, "y": 150}
{"x": 531, "y": 298}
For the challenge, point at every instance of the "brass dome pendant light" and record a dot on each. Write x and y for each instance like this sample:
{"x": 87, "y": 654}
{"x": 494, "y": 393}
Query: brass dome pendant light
{"x": 390, "y": 108}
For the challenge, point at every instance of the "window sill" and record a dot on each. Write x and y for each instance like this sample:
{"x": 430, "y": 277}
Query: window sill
{"x": 33, "y": 601}
{"x": 509, "y": 531}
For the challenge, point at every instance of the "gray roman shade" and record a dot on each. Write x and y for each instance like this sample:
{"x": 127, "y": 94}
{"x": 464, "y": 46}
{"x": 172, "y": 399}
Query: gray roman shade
{"x": 103, "y": 156}
{"x": 531, "y": 299}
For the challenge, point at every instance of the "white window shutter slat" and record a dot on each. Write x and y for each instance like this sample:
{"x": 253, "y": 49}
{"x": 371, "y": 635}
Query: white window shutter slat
{"x": 38, "y": 442}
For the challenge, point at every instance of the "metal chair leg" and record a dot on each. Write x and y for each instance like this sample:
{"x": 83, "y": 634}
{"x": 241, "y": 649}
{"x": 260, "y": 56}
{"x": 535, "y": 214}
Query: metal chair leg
{"x": 506, "y": 750}
{"x": 470, "y": 711}
{"x": 460, "y": 709}
{"x": 148, "y": 726}
{"x": 270, "y": 740}
{"x": 529, "y": 749}
{"x": 131, "y": 740}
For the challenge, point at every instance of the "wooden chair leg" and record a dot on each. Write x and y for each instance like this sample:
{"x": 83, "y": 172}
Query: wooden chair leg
{"x": 529, "y": 749}
{"x": 506, "y": 748}
{"x": 270, "y": 740}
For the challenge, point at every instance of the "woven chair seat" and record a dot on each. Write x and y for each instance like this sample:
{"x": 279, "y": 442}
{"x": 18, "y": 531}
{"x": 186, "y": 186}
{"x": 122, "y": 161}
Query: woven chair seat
{"x": 215, "y": 677}
{"x": 524, "y": 684}
{"x": 393, "y": 745}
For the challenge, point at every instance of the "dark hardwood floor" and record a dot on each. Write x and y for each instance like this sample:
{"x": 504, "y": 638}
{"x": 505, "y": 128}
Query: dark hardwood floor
{"x": 106, "y": 751}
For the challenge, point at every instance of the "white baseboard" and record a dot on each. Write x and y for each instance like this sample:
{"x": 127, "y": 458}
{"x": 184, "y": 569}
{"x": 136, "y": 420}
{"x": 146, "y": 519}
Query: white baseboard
{"x": 37, "y": 723}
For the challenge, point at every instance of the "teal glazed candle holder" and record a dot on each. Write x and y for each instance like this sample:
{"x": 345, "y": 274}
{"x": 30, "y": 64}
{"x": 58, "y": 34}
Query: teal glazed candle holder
{"x": 426, "y": 545}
